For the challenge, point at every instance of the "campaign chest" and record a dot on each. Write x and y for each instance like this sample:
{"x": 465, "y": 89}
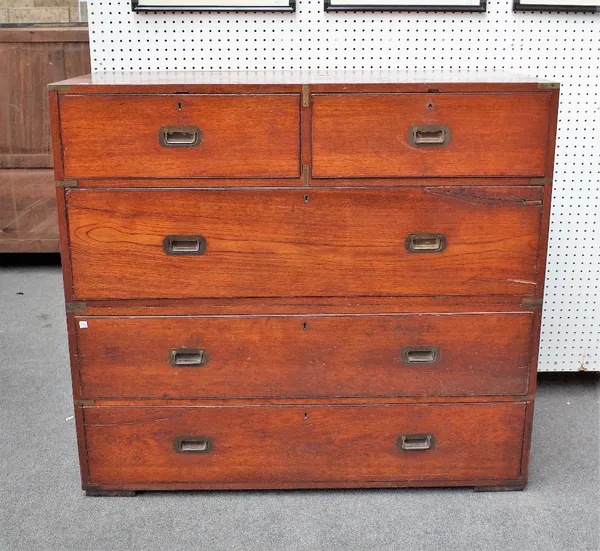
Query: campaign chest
{"x": 303, "y": 280}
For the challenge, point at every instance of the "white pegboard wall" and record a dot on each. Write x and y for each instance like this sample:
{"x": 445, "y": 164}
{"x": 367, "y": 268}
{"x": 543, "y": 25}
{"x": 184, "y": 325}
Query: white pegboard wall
{"x": 563, "y": 47}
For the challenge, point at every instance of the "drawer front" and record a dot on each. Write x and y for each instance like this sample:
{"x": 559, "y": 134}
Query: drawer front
{"x": 250, "y": 357}
{"x": 303, "y": 443}
{"x": 358, "y": 242}
{"x": 371, "y": 135}
{"x": 181, "y": 136}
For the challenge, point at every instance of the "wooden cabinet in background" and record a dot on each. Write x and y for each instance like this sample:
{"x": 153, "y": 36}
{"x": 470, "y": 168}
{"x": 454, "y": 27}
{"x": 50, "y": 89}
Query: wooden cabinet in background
{"x": 30, "y": 58}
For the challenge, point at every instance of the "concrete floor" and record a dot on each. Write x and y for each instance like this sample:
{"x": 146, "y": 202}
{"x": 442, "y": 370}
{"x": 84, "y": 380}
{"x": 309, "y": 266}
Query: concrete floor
{"x": 43, "y": 507}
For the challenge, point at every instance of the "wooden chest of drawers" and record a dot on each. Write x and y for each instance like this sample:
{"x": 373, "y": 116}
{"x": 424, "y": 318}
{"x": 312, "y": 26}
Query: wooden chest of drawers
{"x": 303, "y": 280}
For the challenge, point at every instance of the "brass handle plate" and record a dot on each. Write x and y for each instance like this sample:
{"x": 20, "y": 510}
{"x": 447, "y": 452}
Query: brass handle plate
{"x": 425, "y": 242}
{"x": 179, "y": 136}
{"x": 421, "y": 355}
{"x": 188, "y": 357}
{"x": 429, "y": 135}
{"x": 415, "y": 442}
{"x": 192, "y": 444}
{"x": 184, "y": 244}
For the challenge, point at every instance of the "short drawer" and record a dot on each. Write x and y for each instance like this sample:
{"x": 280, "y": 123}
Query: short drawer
{"x": 184, "y": 135}
{"x": 287, "y": 444}
{"x": 304, "y": 356}
{"x": 419, "y": 135}
{"x": 279, "y": 243}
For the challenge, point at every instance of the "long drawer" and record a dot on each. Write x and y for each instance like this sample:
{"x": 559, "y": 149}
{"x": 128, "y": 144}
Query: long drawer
{"x": 330, "y": 242}
{"x": 287, "y": 444}
{"x": 304, "y": 356}
{"x": 180, "y": 135}
{"x": 419, "y": 135}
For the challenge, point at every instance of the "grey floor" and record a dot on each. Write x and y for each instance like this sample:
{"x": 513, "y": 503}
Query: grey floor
{"x": 44, "y": 508}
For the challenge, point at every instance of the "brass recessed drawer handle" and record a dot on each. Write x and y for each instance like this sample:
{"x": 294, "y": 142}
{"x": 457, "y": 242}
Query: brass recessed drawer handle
{"x": 180, "y": 136}
{"x": 415, "y": 442}
{"x": 425, "y": 242}
{"x": 420, "y": 135}
{"x": 184, "y": 244}
{"x": 188, "y": 357}
{"x": 421, "y": 354}
{"x": 192, "y": 444}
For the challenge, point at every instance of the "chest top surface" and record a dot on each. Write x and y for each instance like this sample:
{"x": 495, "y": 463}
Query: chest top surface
{"x": 416, "y": 80}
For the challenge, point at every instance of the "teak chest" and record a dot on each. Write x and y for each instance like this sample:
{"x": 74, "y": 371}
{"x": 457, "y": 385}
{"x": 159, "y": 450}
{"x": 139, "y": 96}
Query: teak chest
{"x": 303, "y": 280}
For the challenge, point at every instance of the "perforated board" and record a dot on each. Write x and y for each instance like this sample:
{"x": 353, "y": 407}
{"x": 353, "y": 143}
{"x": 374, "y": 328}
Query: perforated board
{"x": 563, "y": 47}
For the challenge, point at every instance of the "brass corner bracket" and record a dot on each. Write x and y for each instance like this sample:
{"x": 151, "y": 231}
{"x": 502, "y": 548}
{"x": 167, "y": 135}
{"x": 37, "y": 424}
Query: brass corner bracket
{"x": 305, "y": 175}
{"x": 66, "y": 183}
{"x": 54, "y": 87}
{"x": 83, "y": 402}
{"x": 548, "y": 85}
{"x": 540, "y": 181}
{"x": 532, "y": 302}
{"x": 305, "y": 95}
{"x": 76, "y": 307}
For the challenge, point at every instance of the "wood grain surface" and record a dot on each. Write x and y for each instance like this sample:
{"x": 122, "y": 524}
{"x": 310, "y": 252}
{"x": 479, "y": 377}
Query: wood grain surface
{"x": 298, "y": 243}
{"x": 242, "y": 135}
{"x": 121, "y": 183}
{"x": 491, "y": 135}
{"x": 302, "y": 306}
{"x": 298, "y": 444}
{"x": 305, "y": 356}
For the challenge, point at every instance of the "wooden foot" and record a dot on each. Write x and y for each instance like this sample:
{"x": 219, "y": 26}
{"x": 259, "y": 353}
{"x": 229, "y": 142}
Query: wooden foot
{"x": 110, "y": 493}
{"x": 499, "y": 488}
